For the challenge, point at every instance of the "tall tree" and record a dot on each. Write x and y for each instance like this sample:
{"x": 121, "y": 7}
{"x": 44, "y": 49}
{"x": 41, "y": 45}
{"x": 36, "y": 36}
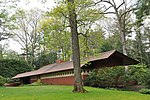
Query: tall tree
{"x": 121, "y": 11}
{"x": 27, "y": 32}
{"x": 6, "y": 9}
{"x": 55, "y": 28}
{"x": 78, "y": 85}
{"x": 78, "y": 15}
{"x": 143, "y": 10}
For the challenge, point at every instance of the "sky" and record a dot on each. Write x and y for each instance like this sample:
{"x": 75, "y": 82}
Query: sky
{"x": 36, "y": 3}
{"x": 14, "y": 45}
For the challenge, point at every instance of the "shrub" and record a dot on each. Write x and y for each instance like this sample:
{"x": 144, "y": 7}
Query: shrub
{"x": 139, "y": 73}
{"x": 107, "y": 77}
{"x": 36, "y": 84}
{"x": 145, "y": 91}
{"x": 117, "y": 77}
{"x": 2, "y": 81}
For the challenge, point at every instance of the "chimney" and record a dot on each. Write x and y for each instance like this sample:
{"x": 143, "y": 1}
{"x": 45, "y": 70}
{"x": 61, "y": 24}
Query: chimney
{"x": 59, "y": 61}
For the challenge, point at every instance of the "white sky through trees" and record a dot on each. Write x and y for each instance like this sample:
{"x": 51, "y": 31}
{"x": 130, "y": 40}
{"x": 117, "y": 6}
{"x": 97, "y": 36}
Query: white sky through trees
{"x": 27, "y": 5}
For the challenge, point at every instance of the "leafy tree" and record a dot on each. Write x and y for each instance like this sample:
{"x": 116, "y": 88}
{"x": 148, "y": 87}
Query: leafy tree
{"x": 78, "y": 85}
{"x": 10, "y": 54}
{"x": 6, "y": 18}
{"x": 56, "y": 36}
{"x": 92, "y": 43}
{"x": 27, "y": 33}
{"x": 45, "y": 59}
{"x": 122, "y": 12}
{"x": 10, "y": 68}
{"x": 55, "y": 28}
{"x": 143, "y": 10}
{"x": 78, "y": 15}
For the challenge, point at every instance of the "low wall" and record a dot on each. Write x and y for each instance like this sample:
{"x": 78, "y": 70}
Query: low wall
{"x": 64, "y": 80}
{"x": 69, "y": 80}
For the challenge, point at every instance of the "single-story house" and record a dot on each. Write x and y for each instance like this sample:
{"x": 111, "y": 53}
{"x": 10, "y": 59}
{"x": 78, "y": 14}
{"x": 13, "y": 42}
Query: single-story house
{"x": 61, "y": 73}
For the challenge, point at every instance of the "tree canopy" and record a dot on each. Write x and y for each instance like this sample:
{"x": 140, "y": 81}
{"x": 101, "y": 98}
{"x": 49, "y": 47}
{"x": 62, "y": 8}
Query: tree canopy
{"x": 9, "y": 67}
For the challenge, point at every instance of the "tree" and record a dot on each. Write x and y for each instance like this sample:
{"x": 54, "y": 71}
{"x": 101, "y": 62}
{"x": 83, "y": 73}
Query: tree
{"x": 9, "y": 67}
{"x": 56, "y": 36}
{"x": 78, "y": 85}
{"x": 27, "y": 33}
{"x": 142, "y": 12}
{"x": 91, "y": 43}
{"x": 80, "y": 18}
{"x": 55, "y": 28}
{"x": 6, "y": 19}
{"x": 45, "y": 59}
{"x": 143, "y": 9}
{"x": 10, "y": 54}
{"x": 121, "y": 12}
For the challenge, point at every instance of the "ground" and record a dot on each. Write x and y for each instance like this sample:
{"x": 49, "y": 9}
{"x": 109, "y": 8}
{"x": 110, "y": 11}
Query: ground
{"x": 64, "y": 93}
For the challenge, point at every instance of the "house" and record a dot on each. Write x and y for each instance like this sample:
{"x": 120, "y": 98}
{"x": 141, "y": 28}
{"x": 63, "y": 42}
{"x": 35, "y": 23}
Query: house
{"x": 61, "y": 73}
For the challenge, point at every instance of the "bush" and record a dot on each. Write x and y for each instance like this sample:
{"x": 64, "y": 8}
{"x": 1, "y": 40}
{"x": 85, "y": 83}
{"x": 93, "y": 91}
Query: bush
{"x": 139, "y": 73}
{"x": 11, "y": 67}
{"x": 36, "y": 84}
{"x": 145, "y": 91}
{"x": 2, "y": 81}
{"x": 117, "y": 77}
{"x": 107, "y": 77}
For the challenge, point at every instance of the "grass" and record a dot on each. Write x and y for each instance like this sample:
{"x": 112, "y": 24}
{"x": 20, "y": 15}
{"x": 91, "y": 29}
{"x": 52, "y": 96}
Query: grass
{"x": 64, "y": 93}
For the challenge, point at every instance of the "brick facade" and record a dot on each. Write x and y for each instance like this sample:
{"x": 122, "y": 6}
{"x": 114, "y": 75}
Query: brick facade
{"x": 69, "y": 80}
{"x": 61, "y": 80}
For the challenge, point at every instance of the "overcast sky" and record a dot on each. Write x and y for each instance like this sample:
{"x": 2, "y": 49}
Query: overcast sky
{"x": 36, "y": 3}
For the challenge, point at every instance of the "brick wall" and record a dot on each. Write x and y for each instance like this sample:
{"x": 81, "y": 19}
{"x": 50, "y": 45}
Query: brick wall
{"x": 58, "y": 78}
{"x": 69, "y": 80}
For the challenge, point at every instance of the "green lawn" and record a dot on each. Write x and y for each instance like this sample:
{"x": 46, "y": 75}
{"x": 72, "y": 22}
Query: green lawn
{"x": 64, "y": 93}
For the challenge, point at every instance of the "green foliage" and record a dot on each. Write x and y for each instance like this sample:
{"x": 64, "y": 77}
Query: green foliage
{"x": 36, "y": 84}
{"x": 10, "y": 67}
{"x": 92, "y": 43}
{"x": 2, "y": 81}
{"x": 139, "y": 73}
{"x": 143, "y": 9}
{"x": 145, "y": 91}
{"x": 107, "y": 77}
{"x": 56, "y": 33}
{"x": 45, "y": 59}
{"x": 117, "y": 76}
{"x": 6, "y": 19}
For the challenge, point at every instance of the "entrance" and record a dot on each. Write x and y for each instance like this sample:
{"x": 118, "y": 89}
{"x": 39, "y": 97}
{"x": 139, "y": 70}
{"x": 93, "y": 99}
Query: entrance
{"x": 26, "y": 80}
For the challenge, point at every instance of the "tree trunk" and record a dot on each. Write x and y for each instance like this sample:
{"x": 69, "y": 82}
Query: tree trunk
{"x": 139, "y": 38}
{"x": 121, "y": 22}
{"x": 78, "y": 84}
{"x": 123, "y": 43}
{"x": 1, "y": 52}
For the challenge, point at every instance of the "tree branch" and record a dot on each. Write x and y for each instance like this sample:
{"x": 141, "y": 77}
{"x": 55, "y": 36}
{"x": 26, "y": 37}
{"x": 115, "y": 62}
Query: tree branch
{"x": 120, "y": 5}
{"x": 105, "y": 13}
